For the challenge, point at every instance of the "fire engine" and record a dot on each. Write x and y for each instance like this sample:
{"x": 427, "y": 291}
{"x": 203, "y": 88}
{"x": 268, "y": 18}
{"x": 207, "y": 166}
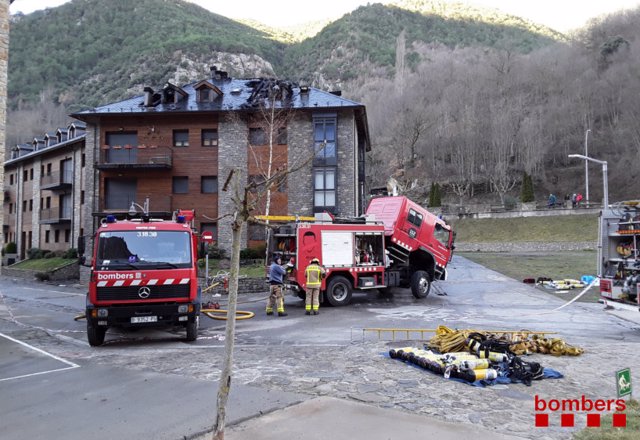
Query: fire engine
{"x": 619, "y": 251}
{"x": 143, "y": 273}
{"x": 397, "y": 243}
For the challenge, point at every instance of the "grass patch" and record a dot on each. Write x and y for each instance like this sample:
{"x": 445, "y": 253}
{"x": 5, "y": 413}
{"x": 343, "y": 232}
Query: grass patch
{"x": 253, "y": 271}
{"x": 607, "y": 432}
{"x": 567, "y": 228}
{"x": 43, "y": 264}
{"x": 555, "y": 265}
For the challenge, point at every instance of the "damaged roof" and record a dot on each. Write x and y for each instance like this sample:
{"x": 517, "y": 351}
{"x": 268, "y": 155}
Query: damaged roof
{"x": 237, "y": 94}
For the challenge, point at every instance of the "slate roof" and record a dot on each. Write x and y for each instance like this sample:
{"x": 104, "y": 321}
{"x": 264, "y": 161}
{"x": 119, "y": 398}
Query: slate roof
{"x": 236, "y": 97}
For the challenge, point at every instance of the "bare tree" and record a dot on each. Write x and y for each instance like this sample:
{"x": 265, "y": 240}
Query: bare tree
{"x": 244, "y": 197}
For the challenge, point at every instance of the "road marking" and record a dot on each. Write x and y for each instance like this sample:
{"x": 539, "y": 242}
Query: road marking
{"x": 64, "y": 361}
{"x": 56, "y": 291}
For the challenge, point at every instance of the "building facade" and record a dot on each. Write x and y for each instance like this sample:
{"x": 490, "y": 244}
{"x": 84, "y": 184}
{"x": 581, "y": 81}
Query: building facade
{"x": 175, "y": 148}
{"x": 44, "y": 191}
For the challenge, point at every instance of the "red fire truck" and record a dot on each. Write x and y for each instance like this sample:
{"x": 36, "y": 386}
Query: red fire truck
{"x": 396, "y": 243}
{"x": 143, "y": 273}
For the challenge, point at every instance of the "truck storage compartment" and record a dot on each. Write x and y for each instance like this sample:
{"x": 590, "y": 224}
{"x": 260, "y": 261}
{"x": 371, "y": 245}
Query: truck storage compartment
{"x": 366, "y": 282}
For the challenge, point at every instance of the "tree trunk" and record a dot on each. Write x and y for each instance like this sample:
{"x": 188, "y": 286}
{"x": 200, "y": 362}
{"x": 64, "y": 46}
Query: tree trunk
{"x": 225, "y": 376}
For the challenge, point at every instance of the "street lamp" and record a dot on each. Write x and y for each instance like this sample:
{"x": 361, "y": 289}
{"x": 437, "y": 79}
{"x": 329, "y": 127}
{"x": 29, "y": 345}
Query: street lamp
{"x": 606, "y": 204}
{"x": 145, "y": 209}
{"x": 586, "y": 165}
{"x": 604, "y": 174}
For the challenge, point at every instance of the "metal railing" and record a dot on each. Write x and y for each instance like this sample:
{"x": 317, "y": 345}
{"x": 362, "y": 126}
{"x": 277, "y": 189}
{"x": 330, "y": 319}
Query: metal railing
{"x": 152, "y": 156}
{"x": 57, "y": 178}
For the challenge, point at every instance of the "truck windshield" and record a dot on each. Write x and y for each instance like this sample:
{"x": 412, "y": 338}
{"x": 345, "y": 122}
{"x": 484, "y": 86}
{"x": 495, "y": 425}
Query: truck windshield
{"x": 143, "y": 249}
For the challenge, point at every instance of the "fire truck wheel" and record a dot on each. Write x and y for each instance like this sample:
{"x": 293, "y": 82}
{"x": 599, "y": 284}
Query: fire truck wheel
{"x": 420, "y": 284}
{"x": 95, "y": 335}
{"x": 192, "y": 330}
{"x": 339, "y": 291}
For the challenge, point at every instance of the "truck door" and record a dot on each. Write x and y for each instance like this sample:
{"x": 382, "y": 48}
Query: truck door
{"x": 337, "y": 248}
{"x": 413, "y": 223}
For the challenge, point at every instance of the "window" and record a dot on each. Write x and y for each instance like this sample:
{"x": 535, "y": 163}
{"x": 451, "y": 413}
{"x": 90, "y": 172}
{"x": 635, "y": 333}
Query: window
{"x": 67, "y": 235}
{"x": 257, "y": 233}
{"x": 30, "y": 204}
{"x": 441, "y": 234}
{"x": 82, "y": 197}
{"x": 324, "y": 186}
{"x": 65, "y": 206}
{"x": 210, "y": 137}
{"x": 180, "y": 185}
{"x": 42, "y": 170}
{"x": 281, "y": 137}
{"x": 11, "y": 179}
{"x": 281, "y": 184}
{"x": 414, "y": 218}
{"x": 66, "y": 170}
{"x": 31, "y": 173}
{"x": 82, "y": 160}
{"x": 48, "y": 202}
{"x": 48, "y": 169}
{"x": 120, "y": 147}
{"x": 119, "y": 193}
{"x": 204, "y": 94}
{"x": 208, "y": 184}
{"x": 180, "y": 138}
{"x": 324, "y": 134}
{"x": 10, "y": 208}
{"x": 257, "y": 179}
{"x": 24, "y": 206}
{"x": 25, "y": 175}
{"x": 41, "y": 203}
{"x": 56, "y": 235}
{"x": 257, "y": 136}
{"x": 47, "y": 236}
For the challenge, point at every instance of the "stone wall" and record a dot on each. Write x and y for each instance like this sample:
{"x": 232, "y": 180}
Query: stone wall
{"x": 346, "y": 179}
{"x": 525, "y": 247}
{"x": 63, "y": 273}
{"x": 300, "y": 139}
{"x": 245, "y": 285}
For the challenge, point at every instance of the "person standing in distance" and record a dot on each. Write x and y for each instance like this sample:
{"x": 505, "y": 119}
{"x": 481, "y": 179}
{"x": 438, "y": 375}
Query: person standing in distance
{"x": 276, "y": 280}
{"x": 313, "y": 274}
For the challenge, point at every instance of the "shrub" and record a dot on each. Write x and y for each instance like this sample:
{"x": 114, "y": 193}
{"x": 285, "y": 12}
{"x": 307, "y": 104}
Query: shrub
{"x": 42, "y": 276}
{"x": 48, "y": 254}
{"x": 254, "y": 253}
{"x": 527, "y": 195}
{"x": 11, "y": 248}
{"x": 215, "y": 252}
{"x": 71, "y": 253}
{"x": 510, "y": 202}
{"x": 35, "y": 253}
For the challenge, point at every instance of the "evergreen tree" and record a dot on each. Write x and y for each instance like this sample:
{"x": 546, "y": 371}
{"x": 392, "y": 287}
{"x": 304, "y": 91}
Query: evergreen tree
{"x": 434, "y": 195}
{"x": 526, "y": 194}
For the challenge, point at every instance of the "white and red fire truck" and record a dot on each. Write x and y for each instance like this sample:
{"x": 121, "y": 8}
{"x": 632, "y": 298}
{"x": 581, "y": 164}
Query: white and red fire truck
{"x": 619, "y": 251}
{"x": 143, "y": 273}
{"x": 396, "y": 243}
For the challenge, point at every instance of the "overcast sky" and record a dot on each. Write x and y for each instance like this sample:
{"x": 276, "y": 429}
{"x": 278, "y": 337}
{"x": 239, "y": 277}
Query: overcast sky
{"x": 561, "y": 15}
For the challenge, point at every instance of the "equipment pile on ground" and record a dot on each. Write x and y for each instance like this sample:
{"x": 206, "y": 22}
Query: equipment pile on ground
{"x": 483, "y": 358}
{"x": 522, "y": 342}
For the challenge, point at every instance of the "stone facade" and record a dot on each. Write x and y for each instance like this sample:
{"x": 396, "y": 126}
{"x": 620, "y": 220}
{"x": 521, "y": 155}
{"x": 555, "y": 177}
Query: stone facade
{"x": 347, "y": 155}
{"x": 232, "y": 156}
{"x": 300, "y": 151}
{"x": 4, "y": 60}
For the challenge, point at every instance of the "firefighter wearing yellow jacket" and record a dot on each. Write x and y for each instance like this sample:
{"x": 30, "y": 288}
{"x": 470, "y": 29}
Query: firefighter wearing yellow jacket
{"x": 313, "y": 274}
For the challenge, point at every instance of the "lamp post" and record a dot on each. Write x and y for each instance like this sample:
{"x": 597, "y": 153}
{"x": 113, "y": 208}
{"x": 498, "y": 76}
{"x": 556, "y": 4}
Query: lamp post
{"x": 586, "y": 165}
{"x": 605, "y": 201}
{"x": 604, "y": 175}
{"x": 145, "y": 209}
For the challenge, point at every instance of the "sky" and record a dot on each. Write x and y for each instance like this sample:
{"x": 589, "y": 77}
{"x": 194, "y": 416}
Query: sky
{"x": 561, "y": 15}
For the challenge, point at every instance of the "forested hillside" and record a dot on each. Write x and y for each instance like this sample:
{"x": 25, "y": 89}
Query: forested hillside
{"x": 467, "y": 98}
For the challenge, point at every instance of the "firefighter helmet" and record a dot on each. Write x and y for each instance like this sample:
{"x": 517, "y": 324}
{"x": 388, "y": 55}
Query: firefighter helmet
{"x": 315, "y": 260}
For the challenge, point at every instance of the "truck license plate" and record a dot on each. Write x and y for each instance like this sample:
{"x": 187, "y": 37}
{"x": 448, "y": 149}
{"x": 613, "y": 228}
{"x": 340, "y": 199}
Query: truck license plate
{"x": 141, "y": 319}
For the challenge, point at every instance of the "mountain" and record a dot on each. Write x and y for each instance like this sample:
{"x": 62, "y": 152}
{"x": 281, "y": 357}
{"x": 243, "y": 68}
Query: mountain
{"x": 88, "y": 52}
{"x": 91, "y": 52}
{"x": 367, "y": 38}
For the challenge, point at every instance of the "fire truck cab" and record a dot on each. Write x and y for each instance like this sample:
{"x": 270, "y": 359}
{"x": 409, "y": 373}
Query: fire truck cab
{"x": 143, "y": 273}
{"x": 396, "y": 243}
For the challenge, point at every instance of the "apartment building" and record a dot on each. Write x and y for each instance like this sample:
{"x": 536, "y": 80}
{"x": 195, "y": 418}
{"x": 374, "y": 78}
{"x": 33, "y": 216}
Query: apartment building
{"x": 44, "y": 191}
{"x": 174, "y": 148}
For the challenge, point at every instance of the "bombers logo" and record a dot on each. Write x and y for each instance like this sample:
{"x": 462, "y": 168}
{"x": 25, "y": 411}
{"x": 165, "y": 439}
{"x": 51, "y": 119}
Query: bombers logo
{"x": 115, "y": 276}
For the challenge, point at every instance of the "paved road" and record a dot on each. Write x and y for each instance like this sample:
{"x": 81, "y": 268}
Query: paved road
{"x": 281, "y": 361}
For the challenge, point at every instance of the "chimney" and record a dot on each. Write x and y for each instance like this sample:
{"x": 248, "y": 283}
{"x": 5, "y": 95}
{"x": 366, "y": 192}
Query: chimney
{"x": 212, "y": 70}
{"x": 148, "y": 97}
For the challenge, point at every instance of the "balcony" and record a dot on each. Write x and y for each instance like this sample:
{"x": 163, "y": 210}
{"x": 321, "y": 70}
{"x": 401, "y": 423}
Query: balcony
{"x": 57, "y": 181}
{"x": 54, "y": 216}
{"x": 137, "y": 157}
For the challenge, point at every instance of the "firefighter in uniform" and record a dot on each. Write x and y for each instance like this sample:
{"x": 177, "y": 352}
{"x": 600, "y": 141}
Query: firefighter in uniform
{"x": 313, "y": 274}
{"x": 276, "y": 296}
